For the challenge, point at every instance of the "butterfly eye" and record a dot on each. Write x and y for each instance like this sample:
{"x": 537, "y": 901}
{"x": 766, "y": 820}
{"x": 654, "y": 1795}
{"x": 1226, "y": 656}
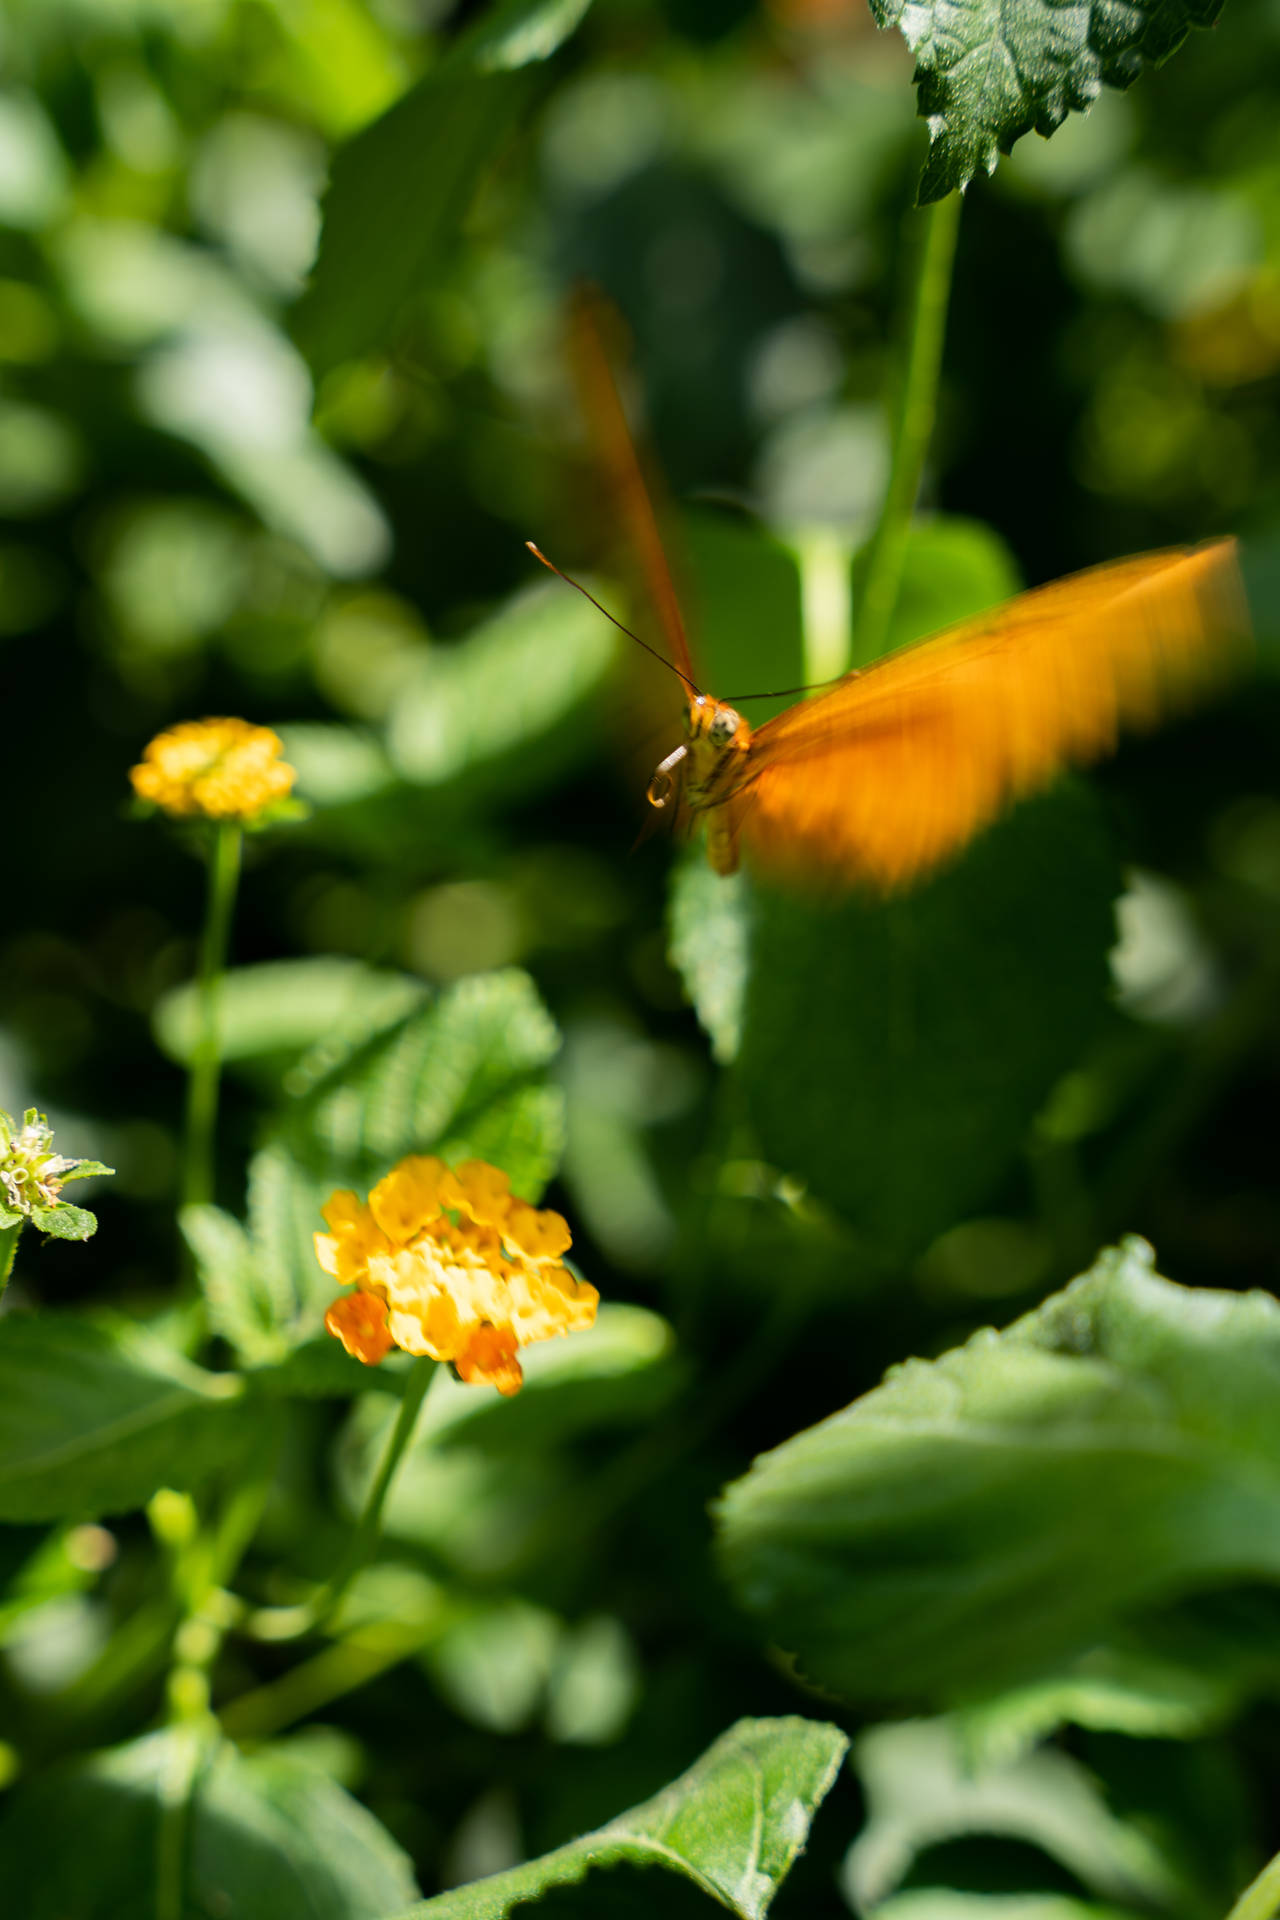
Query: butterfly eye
{"x": 723, "y": 726}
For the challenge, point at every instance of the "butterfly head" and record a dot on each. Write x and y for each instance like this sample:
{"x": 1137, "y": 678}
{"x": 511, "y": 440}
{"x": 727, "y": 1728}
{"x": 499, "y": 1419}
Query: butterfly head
{"x": 718, "y": 739}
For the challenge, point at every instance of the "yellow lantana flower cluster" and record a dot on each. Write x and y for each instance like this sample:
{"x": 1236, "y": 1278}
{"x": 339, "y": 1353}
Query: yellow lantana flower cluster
{"x": 221, "y": 769}
{"x": 447, "y": 1262}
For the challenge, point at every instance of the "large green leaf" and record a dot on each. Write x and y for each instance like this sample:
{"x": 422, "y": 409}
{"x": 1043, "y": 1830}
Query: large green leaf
{"x": 981, "y": 1518}
{"x": 991, "y": 70}
{"x": 733, "y": 1825}
{"x": 91, "y": 1423}
{"x": 920, "y": 1791}
{"x": 894, "y": 1052}
{"x": 270, "y": 1839}
{"x": 401, "y": 188}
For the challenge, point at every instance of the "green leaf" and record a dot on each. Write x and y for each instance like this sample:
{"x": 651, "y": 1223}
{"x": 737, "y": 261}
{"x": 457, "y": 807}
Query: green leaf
{"x": 990, "y": 71}
{"x": 240, "y": 1306}
{"x": 62, "y": 1222}
{"x": 460, "y": 1077}
{"x": 89, "y": 1425}
{"x": 284, "y": 1006}
{"x": 920, "y": 1792}
{"x": 486, "y": 714}
{"x": 894, "y": 1053}
{"x": 978, "y": 1519}
{"x": 270, "y": 1839}
{"x": 711, "y": 947}
{"x": 734, "y": 1825}
{"x": 401, "y": 188}
{"x": 84, "y": 1170}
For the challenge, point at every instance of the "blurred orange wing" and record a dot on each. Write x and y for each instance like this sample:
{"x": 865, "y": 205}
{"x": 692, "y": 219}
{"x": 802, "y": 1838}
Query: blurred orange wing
{"x": 591, "y": 320}
{"x": 901, "y": 763}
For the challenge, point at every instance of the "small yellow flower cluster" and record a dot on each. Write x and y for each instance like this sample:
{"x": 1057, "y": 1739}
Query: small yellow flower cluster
{"x": 221, "y": 769}
{"x": 448, "y": 1263}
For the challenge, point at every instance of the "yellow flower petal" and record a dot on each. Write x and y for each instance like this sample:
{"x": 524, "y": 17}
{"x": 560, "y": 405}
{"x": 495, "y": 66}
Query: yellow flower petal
{"x": 412, "y": 1196}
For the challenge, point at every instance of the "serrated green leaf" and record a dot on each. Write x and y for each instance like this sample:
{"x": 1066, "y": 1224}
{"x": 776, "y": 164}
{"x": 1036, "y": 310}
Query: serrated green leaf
{"x": 895, "y": 1052}
{"x": 270, "y": 1839}
{"x": 88, "y": 1428}
{"x": 84, "y": 1170}
{"x": 921, "y": 1792}
{"x": 978, "y": 1519}
{"x": 284, "y": 1006}
{"x": 991, "y": 70}
{"x": 457, "y": 1076}
{"x": 427, "y": 152}
{"x": 62, "y": 1222}
{"x": 733, "y": 1825}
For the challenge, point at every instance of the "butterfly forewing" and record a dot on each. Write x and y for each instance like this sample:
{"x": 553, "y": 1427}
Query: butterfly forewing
{"x": 898, "y": 766}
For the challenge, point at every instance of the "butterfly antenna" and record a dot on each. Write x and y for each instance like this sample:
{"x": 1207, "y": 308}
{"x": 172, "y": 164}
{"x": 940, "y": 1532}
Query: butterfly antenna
{"x": 538, "y": 554}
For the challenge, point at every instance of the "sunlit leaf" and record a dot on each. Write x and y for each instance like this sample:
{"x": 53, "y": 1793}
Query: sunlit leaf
{"x": 282, "y": 1006}
{"x": 988, "y": 73}
{"x": 88, "y": 1426}
{"x": 979, "y": 1518}
{"x": 461, "y": 1077}
{"x": 733, "y": 1825}
{"x": 488, "y": 709}
{"x": 270, "y": 1839}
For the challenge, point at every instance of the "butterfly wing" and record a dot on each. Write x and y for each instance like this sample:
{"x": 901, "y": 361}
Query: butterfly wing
{"x": 591, "y": 320}
{"x": 899, "y": 765}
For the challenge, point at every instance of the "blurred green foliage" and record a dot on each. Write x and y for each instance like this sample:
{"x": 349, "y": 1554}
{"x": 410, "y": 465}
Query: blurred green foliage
{"x": 796, "y": 1144}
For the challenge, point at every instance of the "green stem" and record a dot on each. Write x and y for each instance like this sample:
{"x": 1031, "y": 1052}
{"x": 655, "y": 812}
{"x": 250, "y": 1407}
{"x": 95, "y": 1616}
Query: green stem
{"x": 1261, "y": 1897}
{"x": 206, "y": 1057}
{"x": 913, "y": 418}
{"x": 369, "y": 1525}
{"x": 8, "y": 1248}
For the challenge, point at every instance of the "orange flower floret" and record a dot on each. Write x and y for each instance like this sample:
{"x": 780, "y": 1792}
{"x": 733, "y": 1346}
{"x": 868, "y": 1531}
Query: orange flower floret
{"x": 449, "y": 1264}
{"x": 221, "y": 769}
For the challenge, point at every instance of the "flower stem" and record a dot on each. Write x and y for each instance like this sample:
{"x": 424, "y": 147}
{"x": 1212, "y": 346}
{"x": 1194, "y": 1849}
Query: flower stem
{"x": 206, "y": 1057}
{"x": 1261, "y": 1898}
{"x": 8, "y": 1248}
{"x": 369, "y": 1525}
{"x": 914, "y": 411}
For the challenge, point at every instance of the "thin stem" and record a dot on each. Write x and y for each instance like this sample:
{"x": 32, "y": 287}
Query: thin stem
{"x": 8, "y": 1248}
{"x": 369, "y": 1525}
{"x": 913, "y": 419}
{"x": 1261, "y": 1897}
{"x": 206, "y": 1057}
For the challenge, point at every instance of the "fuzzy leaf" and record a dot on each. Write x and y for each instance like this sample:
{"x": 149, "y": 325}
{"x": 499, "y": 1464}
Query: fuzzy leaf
{"x": 62, "y": 1222}
{"x": 979, "y": 1518}
{"x": 989, "y": 71}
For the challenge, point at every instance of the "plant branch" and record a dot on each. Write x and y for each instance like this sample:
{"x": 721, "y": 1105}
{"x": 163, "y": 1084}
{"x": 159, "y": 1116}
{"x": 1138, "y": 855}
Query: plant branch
{"x": 913, "y": 417}
{"x": 206, "y": 1057}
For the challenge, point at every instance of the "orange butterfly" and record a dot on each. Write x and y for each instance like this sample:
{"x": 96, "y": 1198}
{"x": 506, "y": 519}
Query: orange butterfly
{"x": 896, "y": 766}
